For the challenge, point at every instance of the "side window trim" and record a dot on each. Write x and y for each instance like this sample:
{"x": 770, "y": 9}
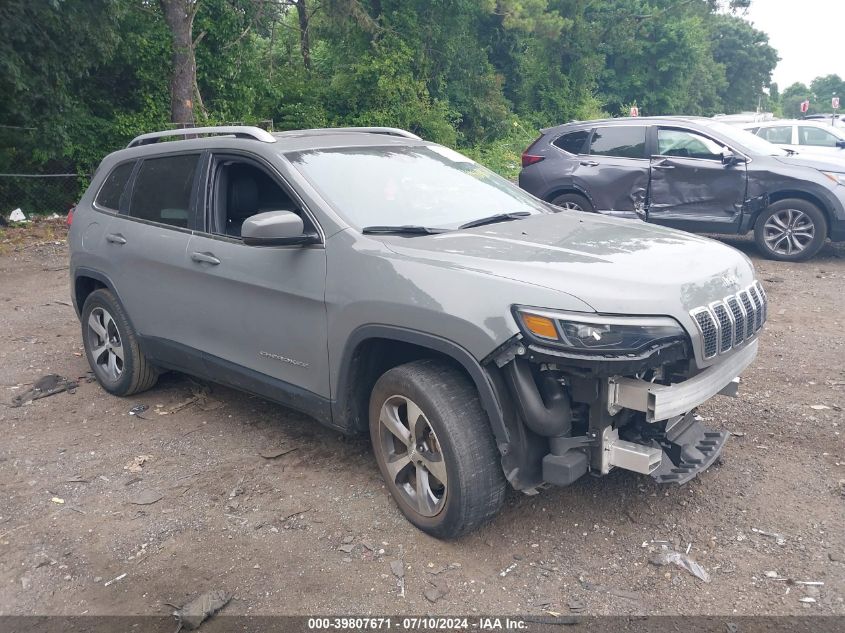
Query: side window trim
{"x": 208, "y": 183}
{"x": 126, "y": 198}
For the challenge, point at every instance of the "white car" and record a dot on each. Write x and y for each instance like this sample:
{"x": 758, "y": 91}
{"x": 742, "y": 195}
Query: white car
{"x": 813, "y": 137}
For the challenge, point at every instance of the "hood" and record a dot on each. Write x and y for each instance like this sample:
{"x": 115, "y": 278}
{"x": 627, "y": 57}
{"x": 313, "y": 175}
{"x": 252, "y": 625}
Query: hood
{"x": 823, "y": 162}
{"x": 615, "y": 266}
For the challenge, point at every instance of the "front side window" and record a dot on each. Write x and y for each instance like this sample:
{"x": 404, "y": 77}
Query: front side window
{"x": 572, "y": 142}
{"x": 162, "y": 190}
{"x": 808, "y": 135}
{"x": 110, "y": 193}
{"x": 781, "y": 134}
{"x": 422, "y": 185}
{"x": 686, "y": 144}
{"x": 241, "y": 190}
{"x": 624, "y": 141}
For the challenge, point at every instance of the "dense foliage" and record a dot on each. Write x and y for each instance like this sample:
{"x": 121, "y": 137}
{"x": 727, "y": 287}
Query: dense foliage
{"x": 80, "y": 77}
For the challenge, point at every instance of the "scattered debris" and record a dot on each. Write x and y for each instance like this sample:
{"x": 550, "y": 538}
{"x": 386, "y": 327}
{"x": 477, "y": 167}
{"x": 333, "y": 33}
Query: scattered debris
{"x": 138, "y": 409}
{"x": 771, "y": 574}
{"x": 146, "y": 497}
{"x": 819, "y": 407}
{"x": 398, "y": 568}
{"x": 294, "y": 514}
{"x": 807, "y": 600}
{"x": 347, "y": 548}
{"x": 48, "y": 385}
{"x": 667, "y": 556}
{"x": 136, "y": 465}
{"x": 57, "y": 500}
{"x": 779, "y": 538}
{"x": 507, "y": 570}
{"x": 435, "y": 592}
{"x": 273, "y": 453}
{"x": 198, "y": 610}
{"x": 576, "y": 605}
{"x": 17, "y": 216}
{"x": 114, "y": 580}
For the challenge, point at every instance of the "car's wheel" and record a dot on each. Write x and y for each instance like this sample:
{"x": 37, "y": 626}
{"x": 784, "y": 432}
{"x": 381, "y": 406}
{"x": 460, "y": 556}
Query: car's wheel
{"x": 790, "y": 230}
{"x": 111, "y": 347}
{"x": 435, "y": 448}
{"x": 573, "y": 202}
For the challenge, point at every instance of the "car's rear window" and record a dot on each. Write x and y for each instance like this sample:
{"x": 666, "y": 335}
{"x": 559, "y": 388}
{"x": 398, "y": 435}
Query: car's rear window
{"x": 110, "y": 193}
{"x": 624, "y": 141}
{"x": 573, "y": 142}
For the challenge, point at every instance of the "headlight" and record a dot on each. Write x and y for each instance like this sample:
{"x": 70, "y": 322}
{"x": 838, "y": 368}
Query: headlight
{"x": 836, "y": 177}
{"x": 596, "y": 333}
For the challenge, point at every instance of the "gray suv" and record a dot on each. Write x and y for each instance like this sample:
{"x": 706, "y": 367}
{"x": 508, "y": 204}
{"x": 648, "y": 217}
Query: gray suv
{"x": 382, "y": 283}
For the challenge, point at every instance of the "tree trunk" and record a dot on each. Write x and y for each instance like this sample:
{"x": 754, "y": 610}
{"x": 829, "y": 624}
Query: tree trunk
{"x": 304, "y": 39}
{"x": 179, "y": 15}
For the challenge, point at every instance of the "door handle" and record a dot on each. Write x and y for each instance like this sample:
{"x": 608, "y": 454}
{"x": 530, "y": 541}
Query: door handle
{"x": 663, "y": 166}
{"x": 205, "y": 258}
{"x": 115, "y": 238}
{"x": 589, "y": 163}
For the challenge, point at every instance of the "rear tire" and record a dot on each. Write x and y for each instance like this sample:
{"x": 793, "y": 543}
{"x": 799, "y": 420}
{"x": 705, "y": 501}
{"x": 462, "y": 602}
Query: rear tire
{"x": 790, "y": 230}
{"x": 435, "y": 449}
{"x": 573, "y": 202}
{"x": 111, "y": 346}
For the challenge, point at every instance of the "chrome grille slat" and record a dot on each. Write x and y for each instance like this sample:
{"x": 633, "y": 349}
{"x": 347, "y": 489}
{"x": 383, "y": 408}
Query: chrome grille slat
{"x": 731, "y": 322}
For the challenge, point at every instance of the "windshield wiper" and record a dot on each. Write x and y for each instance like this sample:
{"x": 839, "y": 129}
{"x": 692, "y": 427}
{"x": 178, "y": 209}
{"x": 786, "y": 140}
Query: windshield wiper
{"x": 492, "y": 219}
{"x": 407, "y": 229}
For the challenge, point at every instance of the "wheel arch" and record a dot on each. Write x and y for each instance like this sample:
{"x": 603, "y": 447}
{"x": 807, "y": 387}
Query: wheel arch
{"x": 572, "y": 188}
{"x": 373, "y": 349}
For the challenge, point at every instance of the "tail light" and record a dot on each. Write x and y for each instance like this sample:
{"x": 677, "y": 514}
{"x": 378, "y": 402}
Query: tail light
{"x": 70, "y": 215}
{"x": 530, "y": 159}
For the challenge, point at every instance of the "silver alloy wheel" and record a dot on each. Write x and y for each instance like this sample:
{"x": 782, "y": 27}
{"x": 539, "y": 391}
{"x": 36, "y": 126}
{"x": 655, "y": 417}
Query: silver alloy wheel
{"x": 105, "y": 344}
{"x": 572, "y": 206}
{"x": 788, "y": 231}
{"x": 413, "y": 455}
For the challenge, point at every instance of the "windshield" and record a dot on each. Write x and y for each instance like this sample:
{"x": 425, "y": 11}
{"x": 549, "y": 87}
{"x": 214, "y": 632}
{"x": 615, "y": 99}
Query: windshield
{"x": 746, "y": 140}
{"x": 430, "y": 186}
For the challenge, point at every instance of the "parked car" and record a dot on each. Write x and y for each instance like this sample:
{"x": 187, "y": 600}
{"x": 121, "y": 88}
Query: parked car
{"x": 378, "y": 282}
{"x": 813, "y": 137}
{"x": 836, "y": 120}
{"x": 694, "y": 174}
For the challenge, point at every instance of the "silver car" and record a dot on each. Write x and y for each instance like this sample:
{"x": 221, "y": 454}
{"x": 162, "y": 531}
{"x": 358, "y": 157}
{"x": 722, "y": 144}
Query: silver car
{"x": 813, "y": 137}
{"x": 384, "y": 284}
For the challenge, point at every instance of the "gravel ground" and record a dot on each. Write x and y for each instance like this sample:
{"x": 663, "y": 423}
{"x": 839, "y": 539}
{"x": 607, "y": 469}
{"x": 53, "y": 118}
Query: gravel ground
{"x": 314, "y": 531}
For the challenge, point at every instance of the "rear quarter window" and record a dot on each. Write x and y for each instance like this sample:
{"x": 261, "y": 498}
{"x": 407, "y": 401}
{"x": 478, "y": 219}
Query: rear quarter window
{"x": 162, "y": 189}
{"x": 110, "y": 193}
{"x": 573, "y": 142}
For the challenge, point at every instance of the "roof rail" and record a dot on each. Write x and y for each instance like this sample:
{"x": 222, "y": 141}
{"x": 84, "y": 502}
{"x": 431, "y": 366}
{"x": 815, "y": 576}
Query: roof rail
{"x": 238, "y": 131}
{"x": 389, "y": 131}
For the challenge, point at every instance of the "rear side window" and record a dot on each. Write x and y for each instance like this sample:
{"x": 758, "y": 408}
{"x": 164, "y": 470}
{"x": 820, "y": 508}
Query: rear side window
{"x": 777, "y": 134}
{"x": 573, "y": 142}
{"x": 624, "y": 141}
{"x": 113, "y": 186}
{"x": 162, "y": 190}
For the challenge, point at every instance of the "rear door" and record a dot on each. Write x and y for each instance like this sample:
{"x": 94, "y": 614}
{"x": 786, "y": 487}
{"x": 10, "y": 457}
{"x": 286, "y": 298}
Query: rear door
{"x": 147, "y": 243}
{"x": 690, "y": 186}
{"x": 817, "y": 140}
{"x": 782, "y": 135}
{"x": 615, "y": 169}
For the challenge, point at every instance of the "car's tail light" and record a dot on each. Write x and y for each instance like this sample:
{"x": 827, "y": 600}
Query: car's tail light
{"x": 70, "y": 216}
{"x": 530, "y": 159}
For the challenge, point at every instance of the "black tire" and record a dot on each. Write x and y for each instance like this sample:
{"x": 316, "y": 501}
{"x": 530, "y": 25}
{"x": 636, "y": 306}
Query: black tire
{"x": 136, "y": 373}
{"x": 450, "y": 405}
{"x": 573, "y": 202}
{"x": 805, "y": 213}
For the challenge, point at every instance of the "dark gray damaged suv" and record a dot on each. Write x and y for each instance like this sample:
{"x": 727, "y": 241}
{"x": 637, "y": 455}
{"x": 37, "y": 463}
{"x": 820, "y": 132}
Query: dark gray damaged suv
{"x": 384, "y": 284}
{"x": 694, "y": 174}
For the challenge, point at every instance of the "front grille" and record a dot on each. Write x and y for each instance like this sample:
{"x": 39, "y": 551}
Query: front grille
{"x": 732, "y": 321}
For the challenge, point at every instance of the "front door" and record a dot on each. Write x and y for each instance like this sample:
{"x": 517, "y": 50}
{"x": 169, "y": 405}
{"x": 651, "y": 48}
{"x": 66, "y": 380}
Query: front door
{"x": 691, "y": 188}
{"x": 260, "y": 311}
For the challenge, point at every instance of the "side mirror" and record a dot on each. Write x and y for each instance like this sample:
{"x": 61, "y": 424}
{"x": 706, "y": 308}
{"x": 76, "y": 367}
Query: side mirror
{"x": 729, "y": 158}
{"x": 276, "y": 228}
{"x": 841, "y": 143}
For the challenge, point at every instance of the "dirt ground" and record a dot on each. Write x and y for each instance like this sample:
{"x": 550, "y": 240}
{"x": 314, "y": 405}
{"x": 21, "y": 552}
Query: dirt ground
{"x": 314, "y": 531}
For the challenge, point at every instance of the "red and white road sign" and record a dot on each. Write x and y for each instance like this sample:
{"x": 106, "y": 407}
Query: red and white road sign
{"x": 805, "y": 105}
{"x": 835, "y": 103}
{"x": 635, "y": 111}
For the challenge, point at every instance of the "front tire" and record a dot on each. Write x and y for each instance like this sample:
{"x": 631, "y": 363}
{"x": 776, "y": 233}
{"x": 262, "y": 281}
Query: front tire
{"x": 111, "y": 347}
{"x": 790, "y": 230}
{"x": 435, "y": 448}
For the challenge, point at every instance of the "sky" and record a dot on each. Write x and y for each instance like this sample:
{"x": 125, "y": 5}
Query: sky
{"x": 808, "y": 36}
